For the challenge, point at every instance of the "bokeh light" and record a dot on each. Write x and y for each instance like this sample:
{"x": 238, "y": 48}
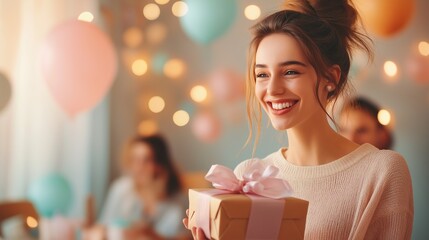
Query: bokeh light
{"x": 139, "y": 67}
{"x": 133, "y": 37}
{"x": 181, "y": 118}
{"x": 179, "y": 9}
{"x": 174, "y": 68}
{"x": 252, "y": 12}
{"x": 151, "y": 11}
{"x": 31, "y": 222}
{"x": 147, "y": 127}
{"x": 156, "y": 33}
{"x": 156, "y": 104}
{"x": 198, "y": 93}
{"x": 390, "y": 68}
{"x": 86, "y": 17}
{"x": 424, "y": 48}
{"x": 162, "y": 2}
{"x": 384, "y": 117}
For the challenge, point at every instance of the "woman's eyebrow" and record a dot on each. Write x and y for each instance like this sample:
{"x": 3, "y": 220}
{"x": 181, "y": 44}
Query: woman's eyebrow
{"x": 282, "y": 64}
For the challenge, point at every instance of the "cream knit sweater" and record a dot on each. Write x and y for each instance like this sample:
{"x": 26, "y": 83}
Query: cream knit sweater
{"x": 366, "y": 194}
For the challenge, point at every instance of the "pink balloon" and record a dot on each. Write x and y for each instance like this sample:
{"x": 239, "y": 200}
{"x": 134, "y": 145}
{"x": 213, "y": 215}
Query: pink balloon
{"x": 226, "y": 85}
{"x": 417, "y": 68}
{"x": 206, "y": 127}
{"x": 79, "y": 63}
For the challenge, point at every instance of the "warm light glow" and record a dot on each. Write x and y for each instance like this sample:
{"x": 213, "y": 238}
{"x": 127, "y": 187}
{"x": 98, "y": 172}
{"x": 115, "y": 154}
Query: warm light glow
{"x": 86, "y": 17}
{"x": 181, "y": 118}
{"x": 252, "y": 12}
{"x": 139, "y": 67}
{"x": 32, "y": 222}
{"x": 174, "y": 68}
{"x": 133, "y": 37}
{"x": 162, "y": 2}
{"x": 179, "y": 9}
{"x": 198, "y": 93}
{"x": 148, "y": 127}
{"x": 384, "y": 117}
{"x": 156, "y": 33}
{"x": 156, "y": 104}
{"x": 390, "y": 68}
{"x": 424, "y": 48}
{"x": 151, "y": 11}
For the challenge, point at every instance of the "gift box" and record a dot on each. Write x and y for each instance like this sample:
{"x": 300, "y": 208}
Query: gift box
{"x": 229, "y": 215}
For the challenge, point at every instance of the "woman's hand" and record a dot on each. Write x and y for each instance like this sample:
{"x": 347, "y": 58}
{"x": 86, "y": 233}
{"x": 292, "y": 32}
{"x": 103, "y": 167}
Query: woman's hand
{"x": 197, "y": 233}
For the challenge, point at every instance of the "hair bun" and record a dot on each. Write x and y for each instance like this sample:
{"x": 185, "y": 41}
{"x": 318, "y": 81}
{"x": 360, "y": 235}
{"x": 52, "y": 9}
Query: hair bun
{"x": 341, "y": 15}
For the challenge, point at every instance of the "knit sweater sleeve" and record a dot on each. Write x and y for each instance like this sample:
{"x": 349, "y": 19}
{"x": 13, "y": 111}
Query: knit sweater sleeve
{"x": 393, "y": 218}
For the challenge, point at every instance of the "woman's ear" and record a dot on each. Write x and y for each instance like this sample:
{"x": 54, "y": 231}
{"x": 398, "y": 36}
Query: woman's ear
{"x": 335, "y": 72}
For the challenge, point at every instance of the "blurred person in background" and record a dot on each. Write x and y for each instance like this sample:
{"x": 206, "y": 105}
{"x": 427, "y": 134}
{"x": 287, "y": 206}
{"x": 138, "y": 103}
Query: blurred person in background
{"x": 148, "y": 201}
{"x": 359, "y": 123}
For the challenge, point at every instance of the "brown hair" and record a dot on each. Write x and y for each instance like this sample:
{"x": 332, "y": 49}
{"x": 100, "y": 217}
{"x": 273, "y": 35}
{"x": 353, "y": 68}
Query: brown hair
{"x": 162, "y": 159}
{"x": 327, "y": 33}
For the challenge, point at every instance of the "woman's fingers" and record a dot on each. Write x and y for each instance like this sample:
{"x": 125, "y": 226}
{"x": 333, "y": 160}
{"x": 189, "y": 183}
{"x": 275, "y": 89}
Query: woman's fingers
{"x": 200, "y": 234}
{"x": 197, "y": 233}
{"x": 194, "y": 232}
{"x": 185, "y": 222}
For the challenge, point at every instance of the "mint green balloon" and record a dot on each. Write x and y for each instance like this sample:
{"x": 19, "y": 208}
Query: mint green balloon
{"x": 51, "y": 194}
{"x": 206, "y": 20}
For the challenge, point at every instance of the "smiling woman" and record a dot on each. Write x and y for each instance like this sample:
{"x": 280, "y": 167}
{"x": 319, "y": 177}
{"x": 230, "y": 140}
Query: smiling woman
{"x": 299, "y": 61}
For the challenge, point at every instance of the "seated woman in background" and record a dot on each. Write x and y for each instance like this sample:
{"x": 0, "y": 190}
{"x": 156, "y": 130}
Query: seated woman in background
{"x": 148, "y": 202}
{"x": 359, "y": 123}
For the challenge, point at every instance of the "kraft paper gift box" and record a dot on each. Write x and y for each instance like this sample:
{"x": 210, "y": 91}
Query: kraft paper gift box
{"x": 229, "y": 215}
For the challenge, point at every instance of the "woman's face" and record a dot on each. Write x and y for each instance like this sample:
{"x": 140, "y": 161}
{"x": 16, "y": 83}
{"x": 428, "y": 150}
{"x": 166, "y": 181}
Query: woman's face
{"x": 285, "y": 83}
{"x": 142, "y": 162}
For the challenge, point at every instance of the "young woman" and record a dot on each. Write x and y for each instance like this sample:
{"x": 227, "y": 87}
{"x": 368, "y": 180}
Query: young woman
{"x": 359, "y": 123}
{"x": 299, "y": 62}
{"x": 148, "y": 201}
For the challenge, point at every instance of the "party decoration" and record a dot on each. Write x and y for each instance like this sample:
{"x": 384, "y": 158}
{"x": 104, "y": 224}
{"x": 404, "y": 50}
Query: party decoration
{"x": 417, "y": 68}
{"x": 385, "y": 17}
{"x": 79, "y": 64}
{"x": 206, "y": 127}
{"x": 226, "y": 85}
{"x": 51, "y": 194}
{"x": 5, "y": 91}
{"x": 207, "y": 20}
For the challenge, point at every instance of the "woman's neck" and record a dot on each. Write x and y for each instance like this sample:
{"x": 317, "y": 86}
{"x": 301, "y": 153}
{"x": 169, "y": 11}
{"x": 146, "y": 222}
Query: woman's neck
{"x": 316, "y": 144}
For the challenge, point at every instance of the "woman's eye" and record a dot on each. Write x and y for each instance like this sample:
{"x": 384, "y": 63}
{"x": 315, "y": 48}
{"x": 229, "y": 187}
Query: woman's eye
{"x": 261, "y": 75}
{"x": 291, "y": 72}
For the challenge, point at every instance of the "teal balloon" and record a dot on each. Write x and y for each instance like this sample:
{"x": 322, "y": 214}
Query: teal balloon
{"x": 51, "y": 194}
{"x": 206, "y": 20}
{"x": 158, "y": 62}
{"x": 5, "y": 91}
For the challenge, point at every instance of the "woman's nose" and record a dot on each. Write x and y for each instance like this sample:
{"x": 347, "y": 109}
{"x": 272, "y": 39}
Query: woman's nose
{"x": 275, "y": 86}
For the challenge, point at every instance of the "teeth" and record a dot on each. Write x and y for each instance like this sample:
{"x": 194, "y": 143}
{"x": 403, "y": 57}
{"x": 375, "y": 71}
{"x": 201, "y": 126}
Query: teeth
{"x": 279, "y": 106}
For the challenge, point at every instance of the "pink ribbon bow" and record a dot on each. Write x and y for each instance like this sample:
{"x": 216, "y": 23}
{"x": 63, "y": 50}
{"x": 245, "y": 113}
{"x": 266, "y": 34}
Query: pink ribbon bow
{"x": 257, "y": 179}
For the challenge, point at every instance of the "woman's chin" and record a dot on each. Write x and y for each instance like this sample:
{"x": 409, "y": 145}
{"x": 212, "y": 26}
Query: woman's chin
{"x": 280, "y": 126}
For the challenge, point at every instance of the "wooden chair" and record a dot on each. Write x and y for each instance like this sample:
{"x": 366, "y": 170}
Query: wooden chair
{"x": 10, "y": 209}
